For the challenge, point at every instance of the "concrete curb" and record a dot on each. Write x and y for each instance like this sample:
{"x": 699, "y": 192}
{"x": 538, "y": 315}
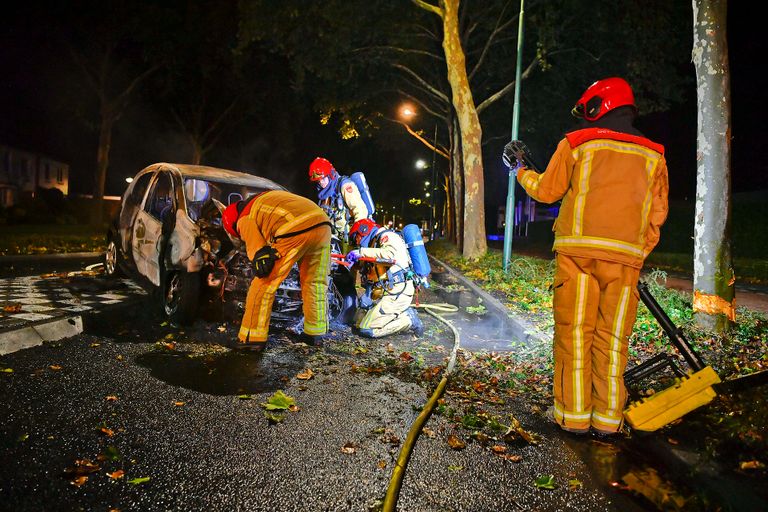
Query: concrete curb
{"x": 522, "y": 329}
{"x": 37, "y": 334}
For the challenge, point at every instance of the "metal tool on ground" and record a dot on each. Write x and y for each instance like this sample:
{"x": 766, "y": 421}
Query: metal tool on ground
{"x": 398, "y": 472}
{"x": 690, "y": 391}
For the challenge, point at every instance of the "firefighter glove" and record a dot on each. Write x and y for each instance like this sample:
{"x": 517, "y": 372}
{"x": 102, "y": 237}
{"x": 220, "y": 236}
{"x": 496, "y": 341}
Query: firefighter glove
{"x": 352, "y": 256}
{"x": 264, "y": 261}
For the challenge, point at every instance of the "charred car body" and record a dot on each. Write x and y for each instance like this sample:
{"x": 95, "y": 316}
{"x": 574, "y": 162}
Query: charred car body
{"x": 167, "y": 234}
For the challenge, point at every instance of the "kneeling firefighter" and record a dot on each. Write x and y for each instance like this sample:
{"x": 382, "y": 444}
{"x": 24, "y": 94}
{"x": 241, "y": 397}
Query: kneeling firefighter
{"x": 279, "y": 229}
{"x": 385, "y": 308}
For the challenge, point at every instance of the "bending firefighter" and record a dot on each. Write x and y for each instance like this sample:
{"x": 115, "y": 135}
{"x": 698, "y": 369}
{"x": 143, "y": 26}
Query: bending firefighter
{"x": 613, "y": 185}
{"x": 385, "y": 307}
{"x": 338, "y": 196}
{"x": 280, "y": 229}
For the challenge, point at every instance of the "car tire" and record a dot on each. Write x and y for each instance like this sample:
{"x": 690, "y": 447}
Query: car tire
{"x": 113, "y": 260}
{"x": 181, "y": 296}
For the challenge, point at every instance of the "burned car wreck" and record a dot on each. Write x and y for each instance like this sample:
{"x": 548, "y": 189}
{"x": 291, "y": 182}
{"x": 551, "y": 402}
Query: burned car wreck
{"x": 167, "y": 235}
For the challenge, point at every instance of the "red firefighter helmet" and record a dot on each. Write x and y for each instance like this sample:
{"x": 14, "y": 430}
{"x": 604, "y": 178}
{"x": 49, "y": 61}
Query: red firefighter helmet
{"x": 603, "y": 96}
{"x": 320, "y": 168}
{"x": 362, "y": 229}
{"x": 229, "y": 218}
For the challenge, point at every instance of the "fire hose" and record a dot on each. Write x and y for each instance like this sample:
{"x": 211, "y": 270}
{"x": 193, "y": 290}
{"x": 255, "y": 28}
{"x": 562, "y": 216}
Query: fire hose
{"x": 398, "y": 472}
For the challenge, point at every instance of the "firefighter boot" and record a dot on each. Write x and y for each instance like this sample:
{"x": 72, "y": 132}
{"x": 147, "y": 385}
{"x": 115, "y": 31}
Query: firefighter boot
{"x": 417, "y": 326}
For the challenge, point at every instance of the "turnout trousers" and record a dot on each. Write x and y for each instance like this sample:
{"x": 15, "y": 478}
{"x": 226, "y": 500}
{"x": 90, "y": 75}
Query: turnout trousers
{"x": 595, "y": 303}
{"x": 312, "y": 251}
{"x": 389, "y": 315}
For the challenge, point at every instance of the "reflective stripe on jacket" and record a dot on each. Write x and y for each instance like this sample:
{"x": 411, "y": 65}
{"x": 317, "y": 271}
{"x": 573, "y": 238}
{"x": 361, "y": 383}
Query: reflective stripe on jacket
{"x": 614, "y": 190}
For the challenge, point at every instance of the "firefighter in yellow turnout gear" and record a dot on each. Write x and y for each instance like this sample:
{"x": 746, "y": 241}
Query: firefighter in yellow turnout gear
{"x": 613, "y": 185}
{"x": 385, "y": 307}
{"x": 279, "y": 229}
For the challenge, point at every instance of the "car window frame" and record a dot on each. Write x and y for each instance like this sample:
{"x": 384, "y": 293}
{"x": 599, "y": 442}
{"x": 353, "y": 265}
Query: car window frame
{"x": 151, "y": 191}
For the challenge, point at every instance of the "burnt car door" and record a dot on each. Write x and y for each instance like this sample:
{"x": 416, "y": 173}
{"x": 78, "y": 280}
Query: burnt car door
{"x": 148, "y": 227}
{"x": 132, "y": 203}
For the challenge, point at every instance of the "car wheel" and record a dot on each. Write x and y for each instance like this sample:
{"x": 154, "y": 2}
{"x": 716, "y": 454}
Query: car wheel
{"x": 112, "y": 260}
{"x": 181, "y": 296}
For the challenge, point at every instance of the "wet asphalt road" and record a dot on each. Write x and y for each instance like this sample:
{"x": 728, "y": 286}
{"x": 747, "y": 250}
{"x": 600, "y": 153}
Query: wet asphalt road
{"x": 186, "y": 413}
{"x": 177, "y": 419}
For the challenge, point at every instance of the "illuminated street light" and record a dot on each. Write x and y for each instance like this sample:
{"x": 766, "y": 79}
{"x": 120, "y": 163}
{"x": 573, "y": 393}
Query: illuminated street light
{"x": 421, "y": 164}
{"x": 426, "y": 195}
{"x": 426, "y": 183}
{"x": 407, "y": 111}
{"x": 128, "y": 180}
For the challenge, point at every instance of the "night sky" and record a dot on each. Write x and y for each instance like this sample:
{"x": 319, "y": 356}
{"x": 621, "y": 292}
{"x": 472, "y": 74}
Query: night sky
{"x": 35, "y": 116}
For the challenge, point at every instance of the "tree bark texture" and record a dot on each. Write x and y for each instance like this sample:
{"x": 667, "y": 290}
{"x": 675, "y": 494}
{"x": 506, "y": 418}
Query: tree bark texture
{"x": 457, "y": 176}
{"x": 475, "y": 244}
{"x": 713, "y": 278}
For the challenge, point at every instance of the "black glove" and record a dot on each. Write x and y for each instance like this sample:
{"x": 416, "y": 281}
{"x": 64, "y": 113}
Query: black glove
{"x": 510, "y": 156}
{"x": 264, "y": 261}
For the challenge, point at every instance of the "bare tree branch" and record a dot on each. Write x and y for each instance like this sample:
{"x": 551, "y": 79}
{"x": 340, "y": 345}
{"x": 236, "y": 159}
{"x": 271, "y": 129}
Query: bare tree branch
{"x": 505, "y": 90}
{"x": 401, "y": 50}
{"x": 439, "y": 150}
{"x": 428, "y": 7}
{"x": 496, "y": 30}
{"x": 423, "y": 106}
{"x": 420, "y": 80}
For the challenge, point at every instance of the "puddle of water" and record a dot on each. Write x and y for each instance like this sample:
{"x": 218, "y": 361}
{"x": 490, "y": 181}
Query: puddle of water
{"x": 228, "y": 373}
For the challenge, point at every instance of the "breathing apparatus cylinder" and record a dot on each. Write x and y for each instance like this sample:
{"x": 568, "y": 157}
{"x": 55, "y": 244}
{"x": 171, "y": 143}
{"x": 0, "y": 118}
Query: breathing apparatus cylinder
{"x": 358, "y": 178}
{"x": 415, "y": 243}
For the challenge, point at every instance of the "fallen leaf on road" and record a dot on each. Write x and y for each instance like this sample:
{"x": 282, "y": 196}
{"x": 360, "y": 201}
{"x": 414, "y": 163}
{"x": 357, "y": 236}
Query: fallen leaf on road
{"x": 456, "y": 443}
{"x": 110, "y": 398}
{"x": 497, "y": 448}
{"x": 382, "y": 464}
{"x": 245, "y": 397}
{"x": 429, "y": 432}
{"x": 453, "y": 467}
{"x": 117, "y": 474}
{"x": 406, "y": 356}
{"x": 12, "y": 308}
{"x": 510, "y": 457}
{"x": 672, "y": 441}
{"x": 107, "y": 431}
{"x": 119, "y": 358}
{"x": 545, "y": 482}
{"x": 6, "y": 370}
{"x": 574, "y": 484}
{"x": 22, "y": 438}
{"x": 77, "y": 482}
{"x": 94, "y": 345}
{"x": 390, "y": 347}
{"x": 136, "y": 481}
{"x": 348, "y": 448}
{"x": 293, "y": 408}
{"x": 170, "y": 346}
{"x": 274, "y": 417}
{"x": 179, "y": 404}
{"x": 279, "y": 401}
{"x": 751, "y": 464}
{"x": 306, "y": 374}
{"x": 82, "y": 467}
{"x": 55, "y": 367}
{"x": 109, "y": 453}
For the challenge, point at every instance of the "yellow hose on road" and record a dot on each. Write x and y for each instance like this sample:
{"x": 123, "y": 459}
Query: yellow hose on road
{"x": 398, "y": 473}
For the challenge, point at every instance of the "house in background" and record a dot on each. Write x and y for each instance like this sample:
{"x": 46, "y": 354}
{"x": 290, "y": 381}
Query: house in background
{"x": 23, "y": 172}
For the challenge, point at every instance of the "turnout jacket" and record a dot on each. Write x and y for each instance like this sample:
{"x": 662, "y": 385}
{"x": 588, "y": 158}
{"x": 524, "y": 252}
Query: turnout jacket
{"x": 614, "y": 189}
{"x": 346, "y": 207}
{"x": 276, "y": 214}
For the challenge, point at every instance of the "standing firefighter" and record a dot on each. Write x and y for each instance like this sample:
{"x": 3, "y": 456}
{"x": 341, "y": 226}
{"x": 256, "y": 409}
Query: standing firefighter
{"x": 338, "y": 196}
{"x": 280, "y": 229}
{"x": 389, "y": 288}
{"x": 613, "y": 185}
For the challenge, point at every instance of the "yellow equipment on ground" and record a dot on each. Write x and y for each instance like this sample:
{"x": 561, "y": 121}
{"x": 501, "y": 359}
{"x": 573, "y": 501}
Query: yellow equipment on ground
{"x": 689, "y": 392}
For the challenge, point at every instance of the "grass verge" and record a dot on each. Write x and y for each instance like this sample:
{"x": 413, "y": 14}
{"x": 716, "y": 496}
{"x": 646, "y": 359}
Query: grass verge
{"x": 50, "y": 238}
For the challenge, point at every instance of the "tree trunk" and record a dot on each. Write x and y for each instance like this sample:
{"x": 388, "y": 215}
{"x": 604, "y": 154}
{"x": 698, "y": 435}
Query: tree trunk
{"x": 445, "y": 214}
{"x": 471, "y": 133}
{"x": 713, "y": 278}
{"x": 102, "y": 164}
{"x": 457, "y": 176}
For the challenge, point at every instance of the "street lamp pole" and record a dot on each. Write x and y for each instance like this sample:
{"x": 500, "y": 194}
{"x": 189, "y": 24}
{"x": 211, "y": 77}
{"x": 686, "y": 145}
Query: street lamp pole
{"x": 510, "y": 210}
